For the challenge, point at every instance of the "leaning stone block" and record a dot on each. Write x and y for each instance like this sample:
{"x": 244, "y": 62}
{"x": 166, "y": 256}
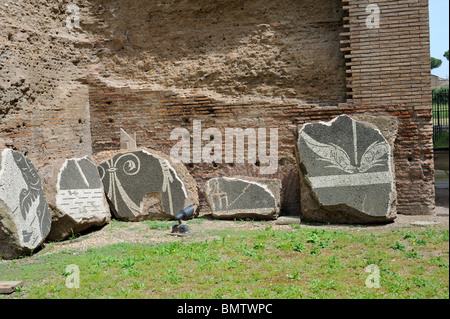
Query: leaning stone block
{"x": 24, "y": 214}
{"x": 8, "y": 287}
{"x": 145, "y": 184}
{"x": 75, "y": 195}
{"x": 288, "y": 220}
{"x": 243, "y": 197}
{"x": 346, "y": 172}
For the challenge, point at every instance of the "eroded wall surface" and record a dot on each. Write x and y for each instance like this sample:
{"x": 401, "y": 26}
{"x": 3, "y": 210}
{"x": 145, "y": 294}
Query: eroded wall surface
{"x": 44, "y": 108}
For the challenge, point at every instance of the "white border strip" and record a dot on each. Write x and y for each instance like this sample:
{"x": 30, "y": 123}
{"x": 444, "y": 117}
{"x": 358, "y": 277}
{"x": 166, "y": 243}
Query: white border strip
{"x": 361, "y": 179}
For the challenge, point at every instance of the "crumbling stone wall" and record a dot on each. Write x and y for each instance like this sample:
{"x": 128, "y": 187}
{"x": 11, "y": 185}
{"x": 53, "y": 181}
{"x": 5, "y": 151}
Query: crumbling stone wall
{"x": 44, "y": 108}
{"x": 152, "y": 66}
{"x": 257, "y": 49}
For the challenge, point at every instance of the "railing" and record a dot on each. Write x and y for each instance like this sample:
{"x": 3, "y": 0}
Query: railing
{"x": 440, "y": 117}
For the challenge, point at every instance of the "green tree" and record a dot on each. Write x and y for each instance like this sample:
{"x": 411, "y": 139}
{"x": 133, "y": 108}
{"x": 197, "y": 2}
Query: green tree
{"x": 435, "y": 63}
{"x": 446, "y": 54}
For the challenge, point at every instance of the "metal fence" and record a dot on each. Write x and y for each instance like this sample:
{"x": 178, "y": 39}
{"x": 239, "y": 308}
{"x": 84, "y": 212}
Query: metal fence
{"x": 440, "y": 117}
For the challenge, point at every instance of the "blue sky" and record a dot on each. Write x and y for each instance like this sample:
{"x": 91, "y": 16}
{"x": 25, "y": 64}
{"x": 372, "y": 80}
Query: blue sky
{"x": 439, "y": 34}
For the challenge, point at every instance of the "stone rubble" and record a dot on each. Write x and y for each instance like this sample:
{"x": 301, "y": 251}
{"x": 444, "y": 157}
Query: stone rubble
{"x": 243, "y": 197}
{"x": 347, "y": 176}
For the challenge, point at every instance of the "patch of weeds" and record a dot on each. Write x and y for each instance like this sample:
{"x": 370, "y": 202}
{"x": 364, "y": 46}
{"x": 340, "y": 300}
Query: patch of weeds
{"x": 157, "y": 224}
{"x": 205, "y": 260}
{"x": 128, "y": 265}
{"x": 410, "y": 235}
{"x": 73, "y": 236}
{"x": 55, "y": 289}
{"x": 444, "y": 236}
{"x": 124, "y": 292}
{"x": 233, "y": 263}
{"x": 413, "y": 254}
{"x": 197, "y": 221}
{"x": 421, "y": 242}
{"x": 172, "y": 276}
{"x": 244, "y": 250}
{"x": 294, "y": 275}
{"x": 259, "y": 246}
{"x": 106, "y": 261}
{"x": 419, "y": 281}
{"x": 66, "y": 273}
{"x": 115, "y": 223}
{"x": 293, "y": 291}
{"x": 299, "y": 247}
{"x": 128, "y": 262}
{"x": 439, "y": 261}
{"x": 395, "y": 285}
{"x": 316, "y": 285}
{"x": 323, "y": 244}
{"x": 430, "y": 232}
{"x": 321, "y": 241}
{"x": 398, "y": 246}
{"x": 133, "y": 272}
{"x": 314, "y": 238}
{"x": 284, "y": 246}
{"x": 334, "y": 264}
{"x": 138, "y": 285}
{"x": 371, "y": 261}
{"x": 167, "y": 249}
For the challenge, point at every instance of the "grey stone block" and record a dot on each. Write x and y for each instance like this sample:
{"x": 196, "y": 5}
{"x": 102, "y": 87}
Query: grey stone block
{"x": 75, "y": 195}
{"x": 145, "y": 184}
{"x": 346, "y": 172}
{"x": 243, "y": 197}
{"x": 24, "y": 214}
{"x": 288, "y": 220}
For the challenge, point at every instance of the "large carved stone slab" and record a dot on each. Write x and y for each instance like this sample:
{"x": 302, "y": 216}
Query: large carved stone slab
{"x": 76, "y": 197}
{"x": 242, "y": 197}
{"x": 346, "y": 170}
{"x": 24, "y": 214}
{"x": 145, "y": 184}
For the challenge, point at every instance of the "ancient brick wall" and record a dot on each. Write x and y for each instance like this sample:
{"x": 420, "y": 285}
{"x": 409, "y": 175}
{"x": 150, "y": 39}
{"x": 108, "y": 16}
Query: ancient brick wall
{"x": 150, "y": 67}
{"x": 390, "y": 65}
{"x": 152, "y": 115}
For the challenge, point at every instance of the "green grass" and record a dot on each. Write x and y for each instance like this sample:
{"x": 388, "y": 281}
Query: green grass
{"x": 440, "y": 102}
{"x": 442, "y": 140}
{"x": 443, "y": 113}
{"x": 261, "y": 263}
